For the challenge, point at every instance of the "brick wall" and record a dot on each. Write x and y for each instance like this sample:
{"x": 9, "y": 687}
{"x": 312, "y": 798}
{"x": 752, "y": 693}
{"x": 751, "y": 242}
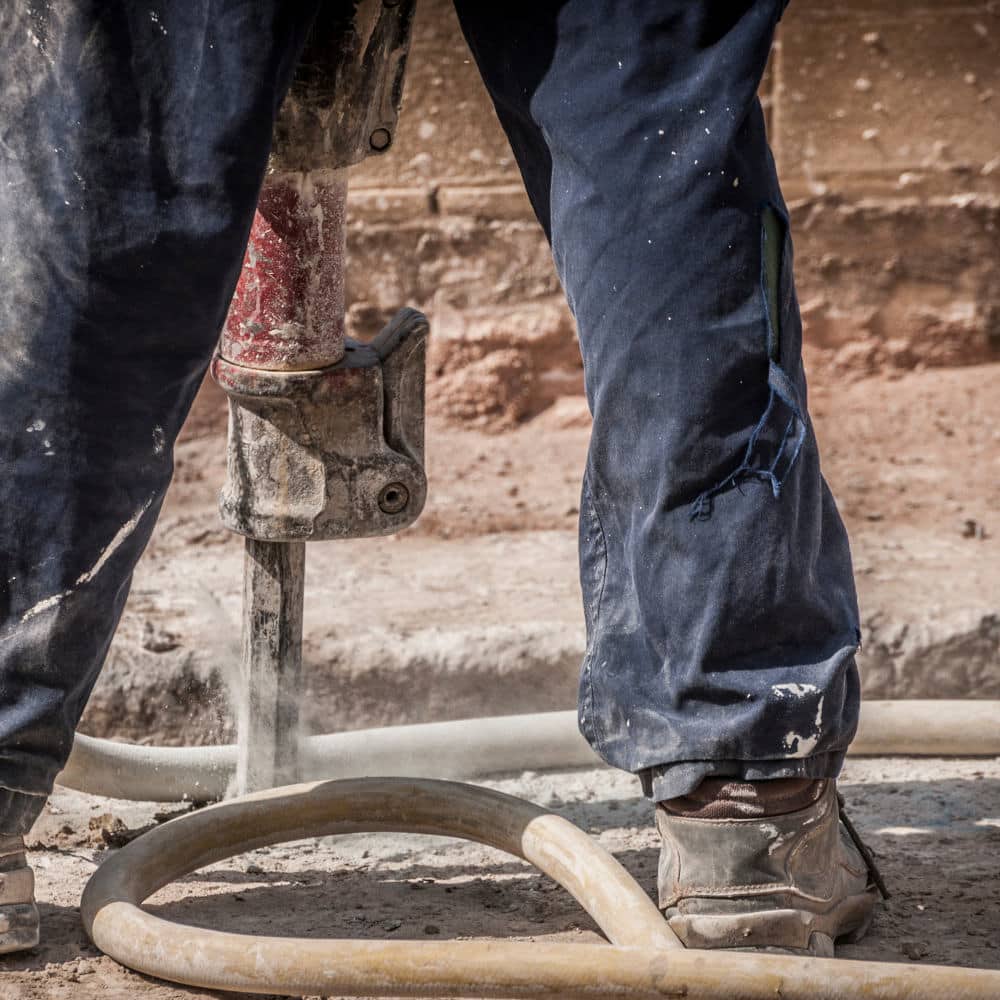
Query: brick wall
{"x": 885, "y": 121}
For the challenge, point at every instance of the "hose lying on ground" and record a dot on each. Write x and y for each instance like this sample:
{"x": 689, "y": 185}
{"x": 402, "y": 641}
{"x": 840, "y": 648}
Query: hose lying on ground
{"x": 644, "y": 959}
{"x": 477, "y": 747}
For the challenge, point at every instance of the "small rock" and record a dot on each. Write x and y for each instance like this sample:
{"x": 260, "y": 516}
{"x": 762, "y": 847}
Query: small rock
{"x": 158, "y": 640}
{"x": 971, "y": 528}
{"x": 391, "y": 925}
{"x": 110, "y": 831}
{"x": 432, "y": 929}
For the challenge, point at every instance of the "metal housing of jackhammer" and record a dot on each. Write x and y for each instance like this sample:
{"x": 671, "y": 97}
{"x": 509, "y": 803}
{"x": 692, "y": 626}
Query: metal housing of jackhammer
{"x": 344, "y": 100}
{"x": 326, "y": 435}
{"x": 333, "y": 453}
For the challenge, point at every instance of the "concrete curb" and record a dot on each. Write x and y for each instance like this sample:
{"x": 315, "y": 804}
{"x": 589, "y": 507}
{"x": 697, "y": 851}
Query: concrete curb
{"x": 422, "y": 629}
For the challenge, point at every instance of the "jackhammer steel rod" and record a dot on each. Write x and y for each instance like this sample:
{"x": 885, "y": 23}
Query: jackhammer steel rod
{"x": 273, "y": 587}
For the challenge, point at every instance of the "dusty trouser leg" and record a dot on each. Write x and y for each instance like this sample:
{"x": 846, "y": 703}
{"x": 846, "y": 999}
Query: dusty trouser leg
{"x": 133, "y": 145}
{"x": 719, "y": 598}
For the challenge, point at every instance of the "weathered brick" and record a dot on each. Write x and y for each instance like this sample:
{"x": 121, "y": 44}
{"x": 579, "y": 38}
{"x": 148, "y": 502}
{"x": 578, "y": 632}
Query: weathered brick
{"x": 461, "y": 261}
{"x": 895, "y": 234}
{"x": 496, "y": 201}
{"x": 883, "y": 88}
{"x": 388, "y": 204}
{"x": 896, "y": 284}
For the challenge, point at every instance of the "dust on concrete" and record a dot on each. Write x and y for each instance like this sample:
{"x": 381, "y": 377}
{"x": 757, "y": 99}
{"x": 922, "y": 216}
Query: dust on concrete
{"x": 389, "y": 637}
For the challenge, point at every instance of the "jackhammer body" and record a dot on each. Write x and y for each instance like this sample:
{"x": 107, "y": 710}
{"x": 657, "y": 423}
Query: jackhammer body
{"x": 326, "y": 434}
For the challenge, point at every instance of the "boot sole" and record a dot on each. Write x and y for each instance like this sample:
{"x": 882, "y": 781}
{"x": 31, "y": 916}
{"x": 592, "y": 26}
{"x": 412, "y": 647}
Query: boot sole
{"x": 19, "y": 928}
{"x": 787, "y": 931}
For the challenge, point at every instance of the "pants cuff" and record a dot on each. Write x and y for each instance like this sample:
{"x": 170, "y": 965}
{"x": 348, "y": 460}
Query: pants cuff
{"x": 18, "y": 811}
{"x": 669, "y": 781}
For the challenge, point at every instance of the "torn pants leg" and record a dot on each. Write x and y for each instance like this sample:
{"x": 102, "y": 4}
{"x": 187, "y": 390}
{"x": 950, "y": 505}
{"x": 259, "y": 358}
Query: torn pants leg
{"x": 133, "y": 146}
{"x": 719, "y": 597}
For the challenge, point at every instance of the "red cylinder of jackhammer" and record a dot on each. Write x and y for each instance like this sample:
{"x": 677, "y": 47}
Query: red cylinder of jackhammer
{"x": 288, "y": 310}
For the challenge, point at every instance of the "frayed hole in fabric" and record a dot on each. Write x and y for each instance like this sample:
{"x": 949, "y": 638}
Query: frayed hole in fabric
{"x": 777, "y": 438}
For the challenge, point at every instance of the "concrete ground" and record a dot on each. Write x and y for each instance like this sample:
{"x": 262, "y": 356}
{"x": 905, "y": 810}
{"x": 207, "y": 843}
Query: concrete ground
{"x": 476, "y": 608}
{"x": 934, "y": 824}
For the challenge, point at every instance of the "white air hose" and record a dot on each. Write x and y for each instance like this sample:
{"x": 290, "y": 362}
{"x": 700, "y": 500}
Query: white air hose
{"x": 477, "y": 747}
{"x": 644, "y": 959}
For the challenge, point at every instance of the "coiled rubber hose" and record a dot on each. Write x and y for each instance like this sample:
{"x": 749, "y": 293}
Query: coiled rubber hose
{"x": 643, "y": 960}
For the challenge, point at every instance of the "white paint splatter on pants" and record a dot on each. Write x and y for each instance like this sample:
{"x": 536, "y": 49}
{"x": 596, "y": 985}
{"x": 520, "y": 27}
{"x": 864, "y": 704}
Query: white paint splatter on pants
{"x": 109, "y": 550}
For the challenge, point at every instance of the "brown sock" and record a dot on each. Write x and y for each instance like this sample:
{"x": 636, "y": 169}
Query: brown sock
{"x": 723, "y": 798}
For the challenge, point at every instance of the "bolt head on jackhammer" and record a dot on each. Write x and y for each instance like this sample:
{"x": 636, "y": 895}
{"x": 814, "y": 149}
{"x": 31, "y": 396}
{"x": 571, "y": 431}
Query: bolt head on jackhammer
{"x": 393, "y": 498}
{"x": 380, "y": 139}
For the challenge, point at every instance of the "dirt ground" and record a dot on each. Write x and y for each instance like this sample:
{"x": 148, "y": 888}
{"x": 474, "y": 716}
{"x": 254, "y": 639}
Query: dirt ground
{"x": 919, "y": 450}
{"x": 390, "y": 637}
{"x": 915, "y": 465}
{"x": 935, "y": 825}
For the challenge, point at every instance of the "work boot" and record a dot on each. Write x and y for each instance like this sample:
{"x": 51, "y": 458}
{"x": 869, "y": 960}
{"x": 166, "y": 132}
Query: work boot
{"x": 18, "y": 913}
{"x": 764, "y": 866}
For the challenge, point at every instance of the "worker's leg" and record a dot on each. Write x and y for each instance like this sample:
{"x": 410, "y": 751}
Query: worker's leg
{"x": 717, "y": 580}
{"x": 133, "y": 140}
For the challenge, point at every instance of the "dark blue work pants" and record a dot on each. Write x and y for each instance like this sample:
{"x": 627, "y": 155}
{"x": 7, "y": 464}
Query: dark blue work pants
{"x": 721, "y": 614}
